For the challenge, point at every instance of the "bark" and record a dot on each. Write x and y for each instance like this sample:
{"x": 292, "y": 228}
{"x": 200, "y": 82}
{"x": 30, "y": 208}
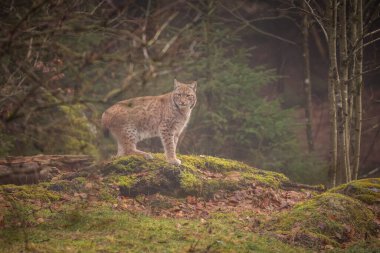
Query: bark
{"x": 332, "y": 81}
{"x": 358, "y": 90}
{"x": 353, "y": 36}
{"x": 307, "y": 81}
{"x": 344, "y": 127}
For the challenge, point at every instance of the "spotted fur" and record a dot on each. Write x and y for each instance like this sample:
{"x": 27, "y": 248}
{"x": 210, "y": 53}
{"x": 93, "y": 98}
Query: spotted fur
{"x": 136, "y": 119}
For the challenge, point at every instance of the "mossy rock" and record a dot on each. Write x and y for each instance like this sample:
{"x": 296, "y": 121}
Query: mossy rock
{"x": 327, "y": 219}
{"x": 198, "y": 175}
{"x": 366, "y": 190}
{"x": 28, "y": 192}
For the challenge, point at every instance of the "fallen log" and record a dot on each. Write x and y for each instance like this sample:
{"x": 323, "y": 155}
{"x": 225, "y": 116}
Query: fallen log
{"x": 296, "y": 186}
{"x": 33, "y": 169}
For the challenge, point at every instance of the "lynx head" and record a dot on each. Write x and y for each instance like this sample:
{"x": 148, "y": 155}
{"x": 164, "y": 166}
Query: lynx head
{"x": 184, "y": 94}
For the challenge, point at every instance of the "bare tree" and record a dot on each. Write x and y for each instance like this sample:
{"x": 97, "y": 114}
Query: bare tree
{"x": 332, "y": 86}
{"x": 307, "y": 79}
{"x": 358, "y": 84}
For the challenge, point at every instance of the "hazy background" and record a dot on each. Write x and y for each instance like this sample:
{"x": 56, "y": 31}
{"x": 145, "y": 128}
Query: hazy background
{"x": 64, "y": 62}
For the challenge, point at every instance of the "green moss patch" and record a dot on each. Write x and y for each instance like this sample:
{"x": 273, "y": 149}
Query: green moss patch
{"x": 104, "y": 229}
{"x": 198, "y": 175}
{"x": 327, "y": 219}
{"x": 29, "y": 192}
{"x": 366, "y": 190}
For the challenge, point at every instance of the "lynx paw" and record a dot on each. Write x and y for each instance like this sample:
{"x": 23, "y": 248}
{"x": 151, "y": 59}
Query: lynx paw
{"x": 175, "y": 161}
{"x": 148, "y": 156}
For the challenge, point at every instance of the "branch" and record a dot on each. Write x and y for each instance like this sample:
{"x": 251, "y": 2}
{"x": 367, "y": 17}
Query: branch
{"x": 316, "y": 17}
{"x": 15, "y": 28}
{"x": 247, "y": 22}
{"x": 364, "y": 72}
{"x": 369, "y": 43}
{"x": 160, "y": 30}
{"x": 371, "y": 33}
{"x": 174, "y": 38}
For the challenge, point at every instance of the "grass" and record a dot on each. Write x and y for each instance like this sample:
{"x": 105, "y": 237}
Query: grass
{"x": 107, "y": 230}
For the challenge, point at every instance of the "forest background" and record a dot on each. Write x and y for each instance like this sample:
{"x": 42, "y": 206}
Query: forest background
{"x": 64, "y": 62}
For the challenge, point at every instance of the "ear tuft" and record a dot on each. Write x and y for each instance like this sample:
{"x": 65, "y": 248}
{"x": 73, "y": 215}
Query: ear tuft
{"x": 176, "y": 83}
{"x": 193, "y": 85}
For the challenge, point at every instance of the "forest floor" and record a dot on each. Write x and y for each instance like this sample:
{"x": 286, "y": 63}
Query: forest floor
{"x": 207, "y": 204}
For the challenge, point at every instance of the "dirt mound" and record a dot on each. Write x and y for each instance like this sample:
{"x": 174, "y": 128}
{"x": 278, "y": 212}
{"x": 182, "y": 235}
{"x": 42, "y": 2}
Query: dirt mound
{"x": 198, "y": 176}
{"x": 366, "y": 190}
{"x": 328, "y": 220}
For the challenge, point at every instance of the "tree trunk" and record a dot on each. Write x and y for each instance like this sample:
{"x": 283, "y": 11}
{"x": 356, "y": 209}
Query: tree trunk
{"x": 307, "y": 80}
{"x": 332, "y": 81}
{"x": 344, "y": 127}
{"x": 358, "y": 89}
{"x": 353, "y": 37}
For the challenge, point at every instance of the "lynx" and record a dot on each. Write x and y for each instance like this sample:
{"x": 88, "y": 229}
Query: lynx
{"x": 165, "y": 116}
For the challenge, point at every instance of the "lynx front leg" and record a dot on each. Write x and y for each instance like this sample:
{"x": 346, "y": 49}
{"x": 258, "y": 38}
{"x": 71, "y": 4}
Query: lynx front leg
{"x": 176, "y": 137}
{"x": 168, "y": 141}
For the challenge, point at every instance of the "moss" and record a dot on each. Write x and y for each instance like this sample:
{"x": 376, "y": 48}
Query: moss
{"x": 107, "y": 194}
{"x": 214, "y": 164}
{"x": 81, "y": 180}
{"x": 189, "y": 181}
{"x": 267, "y": 178}
{"x": 22, "y": 204}
{"x": 67, "y": 186}
{"x": 101, "y": 229}
{"x": 29, "y": 192}
{"x": 330, "y": 218}
{"x": 366, "y": 190}
{"x": 125, "y": 181}
{"x": 133, "y": 164}
{"x": 199, "y": 175}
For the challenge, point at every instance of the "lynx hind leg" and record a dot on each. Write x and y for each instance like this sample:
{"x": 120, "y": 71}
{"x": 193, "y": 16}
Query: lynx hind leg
{"x": 146, "y": 155}
{"x": 126, "y": 144}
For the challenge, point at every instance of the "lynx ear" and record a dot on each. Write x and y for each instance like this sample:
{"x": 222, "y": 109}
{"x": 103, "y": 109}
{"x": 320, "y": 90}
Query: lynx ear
{"x": 193, "y": 85}
{"x": 195, "y": 101}
{"x": 176, "y": 83}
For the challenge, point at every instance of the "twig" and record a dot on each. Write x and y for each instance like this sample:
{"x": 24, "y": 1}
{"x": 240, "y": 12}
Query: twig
{"x": 257, "y": 29}
{"x": 174, "y": 38}
{"x": 316, "y": 17}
